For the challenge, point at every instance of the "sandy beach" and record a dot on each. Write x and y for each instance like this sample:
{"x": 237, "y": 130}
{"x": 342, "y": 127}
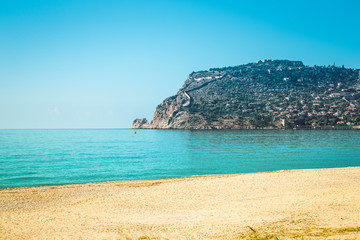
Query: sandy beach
{"x": 315, "y": 203}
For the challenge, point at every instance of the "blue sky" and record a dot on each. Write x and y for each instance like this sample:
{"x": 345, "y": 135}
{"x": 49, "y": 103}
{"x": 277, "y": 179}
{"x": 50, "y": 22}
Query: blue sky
{"x": 101, "y": 64}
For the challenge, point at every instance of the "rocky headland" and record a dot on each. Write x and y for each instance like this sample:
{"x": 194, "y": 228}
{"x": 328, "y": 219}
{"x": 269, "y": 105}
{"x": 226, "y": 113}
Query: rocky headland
{"x": 265, "y": 94}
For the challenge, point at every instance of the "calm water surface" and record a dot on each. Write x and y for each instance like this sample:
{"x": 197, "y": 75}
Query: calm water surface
{"x": 52, "y": 157}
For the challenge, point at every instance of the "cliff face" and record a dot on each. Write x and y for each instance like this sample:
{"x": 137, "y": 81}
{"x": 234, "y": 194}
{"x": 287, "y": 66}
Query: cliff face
{"x": 173, "y": 113}
{"x": 266, "y": 94}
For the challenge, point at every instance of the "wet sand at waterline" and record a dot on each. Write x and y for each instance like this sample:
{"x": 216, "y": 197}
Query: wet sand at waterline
{"x": 315, "y": 203}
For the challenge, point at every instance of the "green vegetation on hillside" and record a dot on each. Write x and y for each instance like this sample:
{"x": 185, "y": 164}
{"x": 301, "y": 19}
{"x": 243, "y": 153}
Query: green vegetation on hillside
{"x": 278, "y": 93}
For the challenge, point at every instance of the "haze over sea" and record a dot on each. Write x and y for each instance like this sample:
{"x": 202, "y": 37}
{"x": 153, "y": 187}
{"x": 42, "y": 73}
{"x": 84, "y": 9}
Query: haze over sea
{"x": 53, "y": 157}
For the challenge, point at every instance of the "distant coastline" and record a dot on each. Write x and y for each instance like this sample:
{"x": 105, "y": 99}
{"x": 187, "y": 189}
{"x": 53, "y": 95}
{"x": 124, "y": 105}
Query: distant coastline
{"x": 267, "y": 128}
{"x": 267, "y": 94}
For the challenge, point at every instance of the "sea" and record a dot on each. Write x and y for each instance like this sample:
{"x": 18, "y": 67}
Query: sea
{"x": 73, "y": 156}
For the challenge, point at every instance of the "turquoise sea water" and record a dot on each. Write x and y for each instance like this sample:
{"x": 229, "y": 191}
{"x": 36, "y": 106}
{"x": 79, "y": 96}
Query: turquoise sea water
{"x": 52, "y": 157}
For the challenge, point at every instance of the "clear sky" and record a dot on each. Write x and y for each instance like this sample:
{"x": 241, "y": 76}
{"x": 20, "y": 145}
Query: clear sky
{"x": 103, "y": 63}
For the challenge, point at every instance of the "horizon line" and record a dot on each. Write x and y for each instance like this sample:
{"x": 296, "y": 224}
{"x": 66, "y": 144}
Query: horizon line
{"x": 65, "y": 128}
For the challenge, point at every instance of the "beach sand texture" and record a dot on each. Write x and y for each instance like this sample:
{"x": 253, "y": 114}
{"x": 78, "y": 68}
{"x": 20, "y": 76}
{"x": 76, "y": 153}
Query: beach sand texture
{"x": 315, "y": 203}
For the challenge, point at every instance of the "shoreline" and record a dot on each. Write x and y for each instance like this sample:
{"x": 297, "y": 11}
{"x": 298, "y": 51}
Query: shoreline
{"x": 284, "y": 203}
{"x": 168, "y": 179}
{"x": 357, "y": 128}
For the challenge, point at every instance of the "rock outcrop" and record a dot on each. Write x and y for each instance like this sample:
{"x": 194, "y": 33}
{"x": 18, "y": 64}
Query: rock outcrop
{"x": 140, "y": 123}
{"x": 266, "y": 94}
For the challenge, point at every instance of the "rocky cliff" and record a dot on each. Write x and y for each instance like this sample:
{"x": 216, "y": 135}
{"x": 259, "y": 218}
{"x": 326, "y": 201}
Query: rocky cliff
{"x": 266, "y": 94}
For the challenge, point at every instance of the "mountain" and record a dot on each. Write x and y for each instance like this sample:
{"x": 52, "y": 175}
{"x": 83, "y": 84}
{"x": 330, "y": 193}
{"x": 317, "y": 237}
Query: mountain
{"x": 265, "y": 94}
